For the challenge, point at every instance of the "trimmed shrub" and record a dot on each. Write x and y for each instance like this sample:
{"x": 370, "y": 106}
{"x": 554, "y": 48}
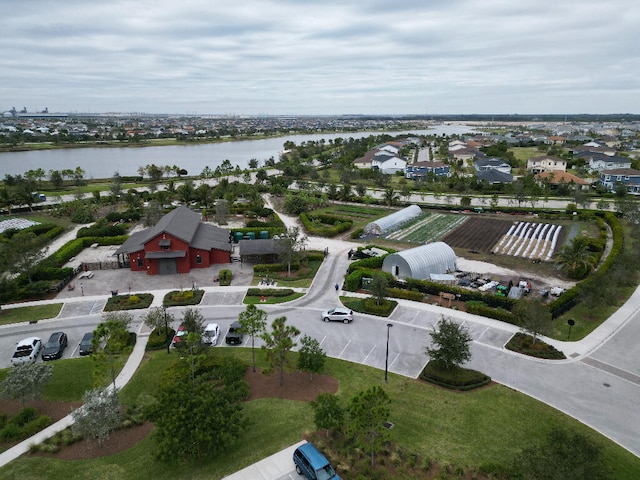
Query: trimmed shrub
{"x": 523, "y": 343}
{"x": 225, "y": 277}
{"x": 456, "y": 378}
{"x": 157, "y": 339}
{"x": 269, "y": 292}
{"x": 405, "y": 294}
{"x": 384, "y": 309}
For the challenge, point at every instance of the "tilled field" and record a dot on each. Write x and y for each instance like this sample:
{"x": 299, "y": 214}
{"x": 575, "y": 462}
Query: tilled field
{"x": 532, "y": 240}
{"x": 478, "y": 234}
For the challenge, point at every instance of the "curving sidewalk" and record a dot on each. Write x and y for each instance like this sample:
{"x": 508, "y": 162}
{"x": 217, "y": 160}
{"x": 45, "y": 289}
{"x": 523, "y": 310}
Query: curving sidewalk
{"x": 121, "y": 380}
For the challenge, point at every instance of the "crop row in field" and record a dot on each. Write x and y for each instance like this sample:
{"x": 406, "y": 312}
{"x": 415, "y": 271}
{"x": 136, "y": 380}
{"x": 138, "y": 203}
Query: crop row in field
{"x": 478, "y": 233}
{"x": 430, "y": 228}
{"x": 530, "y": 240}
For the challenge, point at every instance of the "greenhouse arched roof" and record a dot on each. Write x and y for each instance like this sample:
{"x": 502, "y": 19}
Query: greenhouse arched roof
{"x": 391, "y": 222}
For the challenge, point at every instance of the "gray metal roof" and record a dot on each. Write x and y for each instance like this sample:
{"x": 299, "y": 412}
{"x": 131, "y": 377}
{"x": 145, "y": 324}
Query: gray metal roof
{"x": 421, "y": 262}
{"x": 267, "y": 246}
{"x": 394, "y": 220}
{"x": 184, "y": 224}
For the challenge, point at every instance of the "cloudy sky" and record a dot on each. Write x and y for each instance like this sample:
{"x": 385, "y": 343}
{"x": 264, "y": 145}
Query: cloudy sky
{"x": 321, "y": 56}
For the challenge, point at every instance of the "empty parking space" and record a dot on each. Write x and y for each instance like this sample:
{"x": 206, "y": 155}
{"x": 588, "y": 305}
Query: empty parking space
{"x": 222, "y": 298}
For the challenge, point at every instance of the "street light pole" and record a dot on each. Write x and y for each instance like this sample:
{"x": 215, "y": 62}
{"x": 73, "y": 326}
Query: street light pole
{"x": 166, "y": 328}
{"x": 386, "y": 359}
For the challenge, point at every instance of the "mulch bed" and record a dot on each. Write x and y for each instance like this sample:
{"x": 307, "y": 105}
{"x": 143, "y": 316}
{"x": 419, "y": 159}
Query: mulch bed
{"x": 297, "y": 386}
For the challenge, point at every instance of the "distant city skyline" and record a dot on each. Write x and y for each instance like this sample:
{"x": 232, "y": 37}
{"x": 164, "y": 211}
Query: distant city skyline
{"x": 279, "y": 57}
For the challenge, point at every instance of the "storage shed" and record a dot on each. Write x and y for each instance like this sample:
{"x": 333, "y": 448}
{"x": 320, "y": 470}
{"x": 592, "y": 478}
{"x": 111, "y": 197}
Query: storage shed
{"x": 393, "y": 221}
{"x": 421, "y": 262}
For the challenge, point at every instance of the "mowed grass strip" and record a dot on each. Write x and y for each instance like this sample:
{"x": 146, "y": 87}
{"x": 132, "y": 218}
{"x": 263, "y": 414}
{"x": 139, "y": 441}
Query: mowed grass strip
{"x": 30, "y": 313}
{"x": 491, "y": 424}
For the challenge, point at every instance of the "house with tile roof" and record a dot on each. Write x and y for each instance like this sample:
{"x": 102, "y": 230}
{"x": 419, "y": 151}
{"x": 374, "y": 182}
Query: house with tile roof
{"x": 557, "y": 178}
{"x": 176, "y": 244}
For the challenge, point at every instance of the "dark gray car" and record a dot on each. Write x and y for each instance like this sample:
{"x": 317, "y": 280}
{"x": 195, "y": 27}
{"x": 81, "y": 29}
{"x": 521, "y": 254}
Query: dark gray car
{"x": 54, "y": 348}
{"x": 86, "y": 344}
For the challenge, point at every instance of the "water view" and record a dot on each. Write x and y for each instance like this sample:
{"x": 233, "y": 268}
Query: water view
{"x": 103, "y": 162}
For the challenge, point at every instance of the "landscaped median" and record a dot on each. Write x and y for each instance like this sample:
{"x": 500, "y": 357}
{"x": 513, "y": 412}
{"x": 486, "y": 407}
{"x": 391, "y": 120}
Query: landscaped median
{"x": 270, "y": 295}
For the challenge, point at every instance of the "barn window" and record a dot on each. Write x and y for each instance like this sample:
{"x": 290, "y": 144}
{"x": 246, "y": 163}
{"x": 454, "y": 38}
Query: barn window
{"x": 198, "y": 259}
{"x": 140, "y": 262}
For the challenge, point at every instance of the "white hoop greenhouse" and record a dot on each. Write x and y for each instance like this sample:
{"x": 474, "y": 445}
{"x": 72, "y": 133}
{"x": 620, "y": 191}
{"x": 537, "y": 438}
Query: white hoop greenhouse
{"x": 393, "y": 221}
{"x": 421, "y": 262}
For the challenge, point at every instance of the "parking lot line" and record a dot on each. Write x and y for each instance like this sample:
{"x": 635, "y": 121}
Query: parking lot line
{"x": 370, "y": 352}
{"x": 345, "y": 347}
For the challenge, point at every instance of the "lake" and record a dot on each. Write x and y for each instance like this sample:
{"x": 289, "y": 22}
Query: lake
{"x": 104, "y": 162}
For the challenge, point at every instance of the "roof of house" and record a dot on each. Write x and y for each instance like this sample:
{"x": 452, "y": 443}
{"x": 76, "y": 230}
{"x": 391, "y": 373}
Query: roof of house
{"x": 621, "y": 171}
{"x": 490, "y": 162}
{"x": 427, "y": 164}
{"x": 184, "y": 224}
{"x": 494, "y": 176}
{"x": 542, "y": 158}
{"x": 556, "y": 178}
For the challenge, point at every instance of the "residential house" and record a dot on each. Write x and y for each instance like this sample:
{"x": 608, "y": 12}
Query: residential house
{"x": 493, "y": 176}
{"x": 629, "y": 177}
{"x": 420, "y": 170}
{"x": 557, "y": 178}
{"x": 176, "y": 244}
{"x": 486, "y": 164}
{"x": 546, "y": 163}
{"x": 464, "y": 153}
{"x": 388, "y": 164}
{"x": 598, "y": 162}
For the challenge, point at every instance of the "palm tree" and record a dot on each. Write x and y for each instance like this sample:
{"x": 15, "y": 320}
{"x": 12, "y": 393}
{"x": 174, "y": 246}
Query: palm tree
{"x": 6, "y": 198}
{"x": 390, "y": 196}
{"x": 576, "y": 257}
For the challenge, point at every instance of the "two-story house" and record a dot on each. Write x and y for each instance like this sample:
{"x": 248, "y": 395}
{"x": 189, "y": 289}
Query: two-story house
{"x": 420, "y": 170}
{"x": 628, "y": 177}
{"x": 546, "y": 163}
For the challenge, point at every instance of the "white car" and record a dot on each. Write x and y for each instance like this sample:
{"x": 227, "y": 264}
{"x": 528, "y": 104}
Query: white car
{"x": 27, "y": 350}
{"x": 338, "y": 314}
{"x": 210, "y": 335}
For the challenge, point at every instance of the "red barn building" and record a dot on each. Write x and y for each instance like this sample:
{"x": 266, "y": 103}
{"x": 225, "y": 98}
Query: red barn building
{"x": 178, "y": 243}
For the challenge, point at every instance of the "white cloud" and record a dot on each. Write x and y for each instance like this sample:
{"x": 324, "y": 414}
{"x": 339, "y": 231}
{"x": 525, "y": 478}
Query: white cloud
{"x": 328, "y": 57}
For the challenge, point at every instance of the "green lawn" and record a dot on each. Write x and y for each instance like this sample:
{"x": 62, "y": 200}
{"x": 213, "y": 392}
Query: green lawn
{"x": 464, "y": 429}
{"x": 29, "y": 314}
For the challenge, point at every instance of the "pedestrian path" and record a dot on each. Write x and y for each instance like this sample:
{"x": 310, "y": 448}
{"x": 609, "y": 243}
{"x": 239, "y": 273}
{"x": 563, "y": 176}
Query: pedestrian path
{"x": 121, "y": 380}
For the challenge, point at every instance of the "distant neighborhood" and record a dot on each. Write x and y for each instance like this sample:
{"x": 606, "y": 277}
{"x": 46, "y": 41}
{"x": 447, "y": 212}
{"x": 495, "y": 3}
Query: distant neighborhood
{"x": 595, "y": 161}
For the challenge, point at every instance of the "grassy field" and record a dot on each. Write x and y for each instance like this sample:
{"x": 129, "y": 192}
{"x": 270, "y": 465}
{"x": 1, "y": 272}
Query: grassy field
{"x": 463, "y": 429}
{"x": 30, "y": 313}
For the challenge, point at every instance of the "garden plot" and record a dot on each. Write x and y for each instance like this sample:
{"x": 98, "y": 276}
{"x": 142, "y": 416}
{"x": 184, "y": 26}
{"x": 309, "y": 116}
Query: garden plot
{"x": 537, "y": 241}
{"x": 430, "y": 228}
{"x": 479, "y": 233}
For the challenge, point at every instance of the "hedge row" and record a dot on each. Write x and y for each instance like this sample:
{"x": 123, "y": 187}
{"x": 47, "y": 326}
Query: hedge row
{"x": 102, "y": 231}
{"x": 274, "y": 267}
{"x": 338, "y": 225}
{"x": 434, "y": 288}
{"x": 571, "y": 296}
{"x": 480, "y": 308}
{"x": 372, "y": 262}
{"x": 269, "y": 292}
{"x": 405, "y": 294}
{"x": 74, "y": 247}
